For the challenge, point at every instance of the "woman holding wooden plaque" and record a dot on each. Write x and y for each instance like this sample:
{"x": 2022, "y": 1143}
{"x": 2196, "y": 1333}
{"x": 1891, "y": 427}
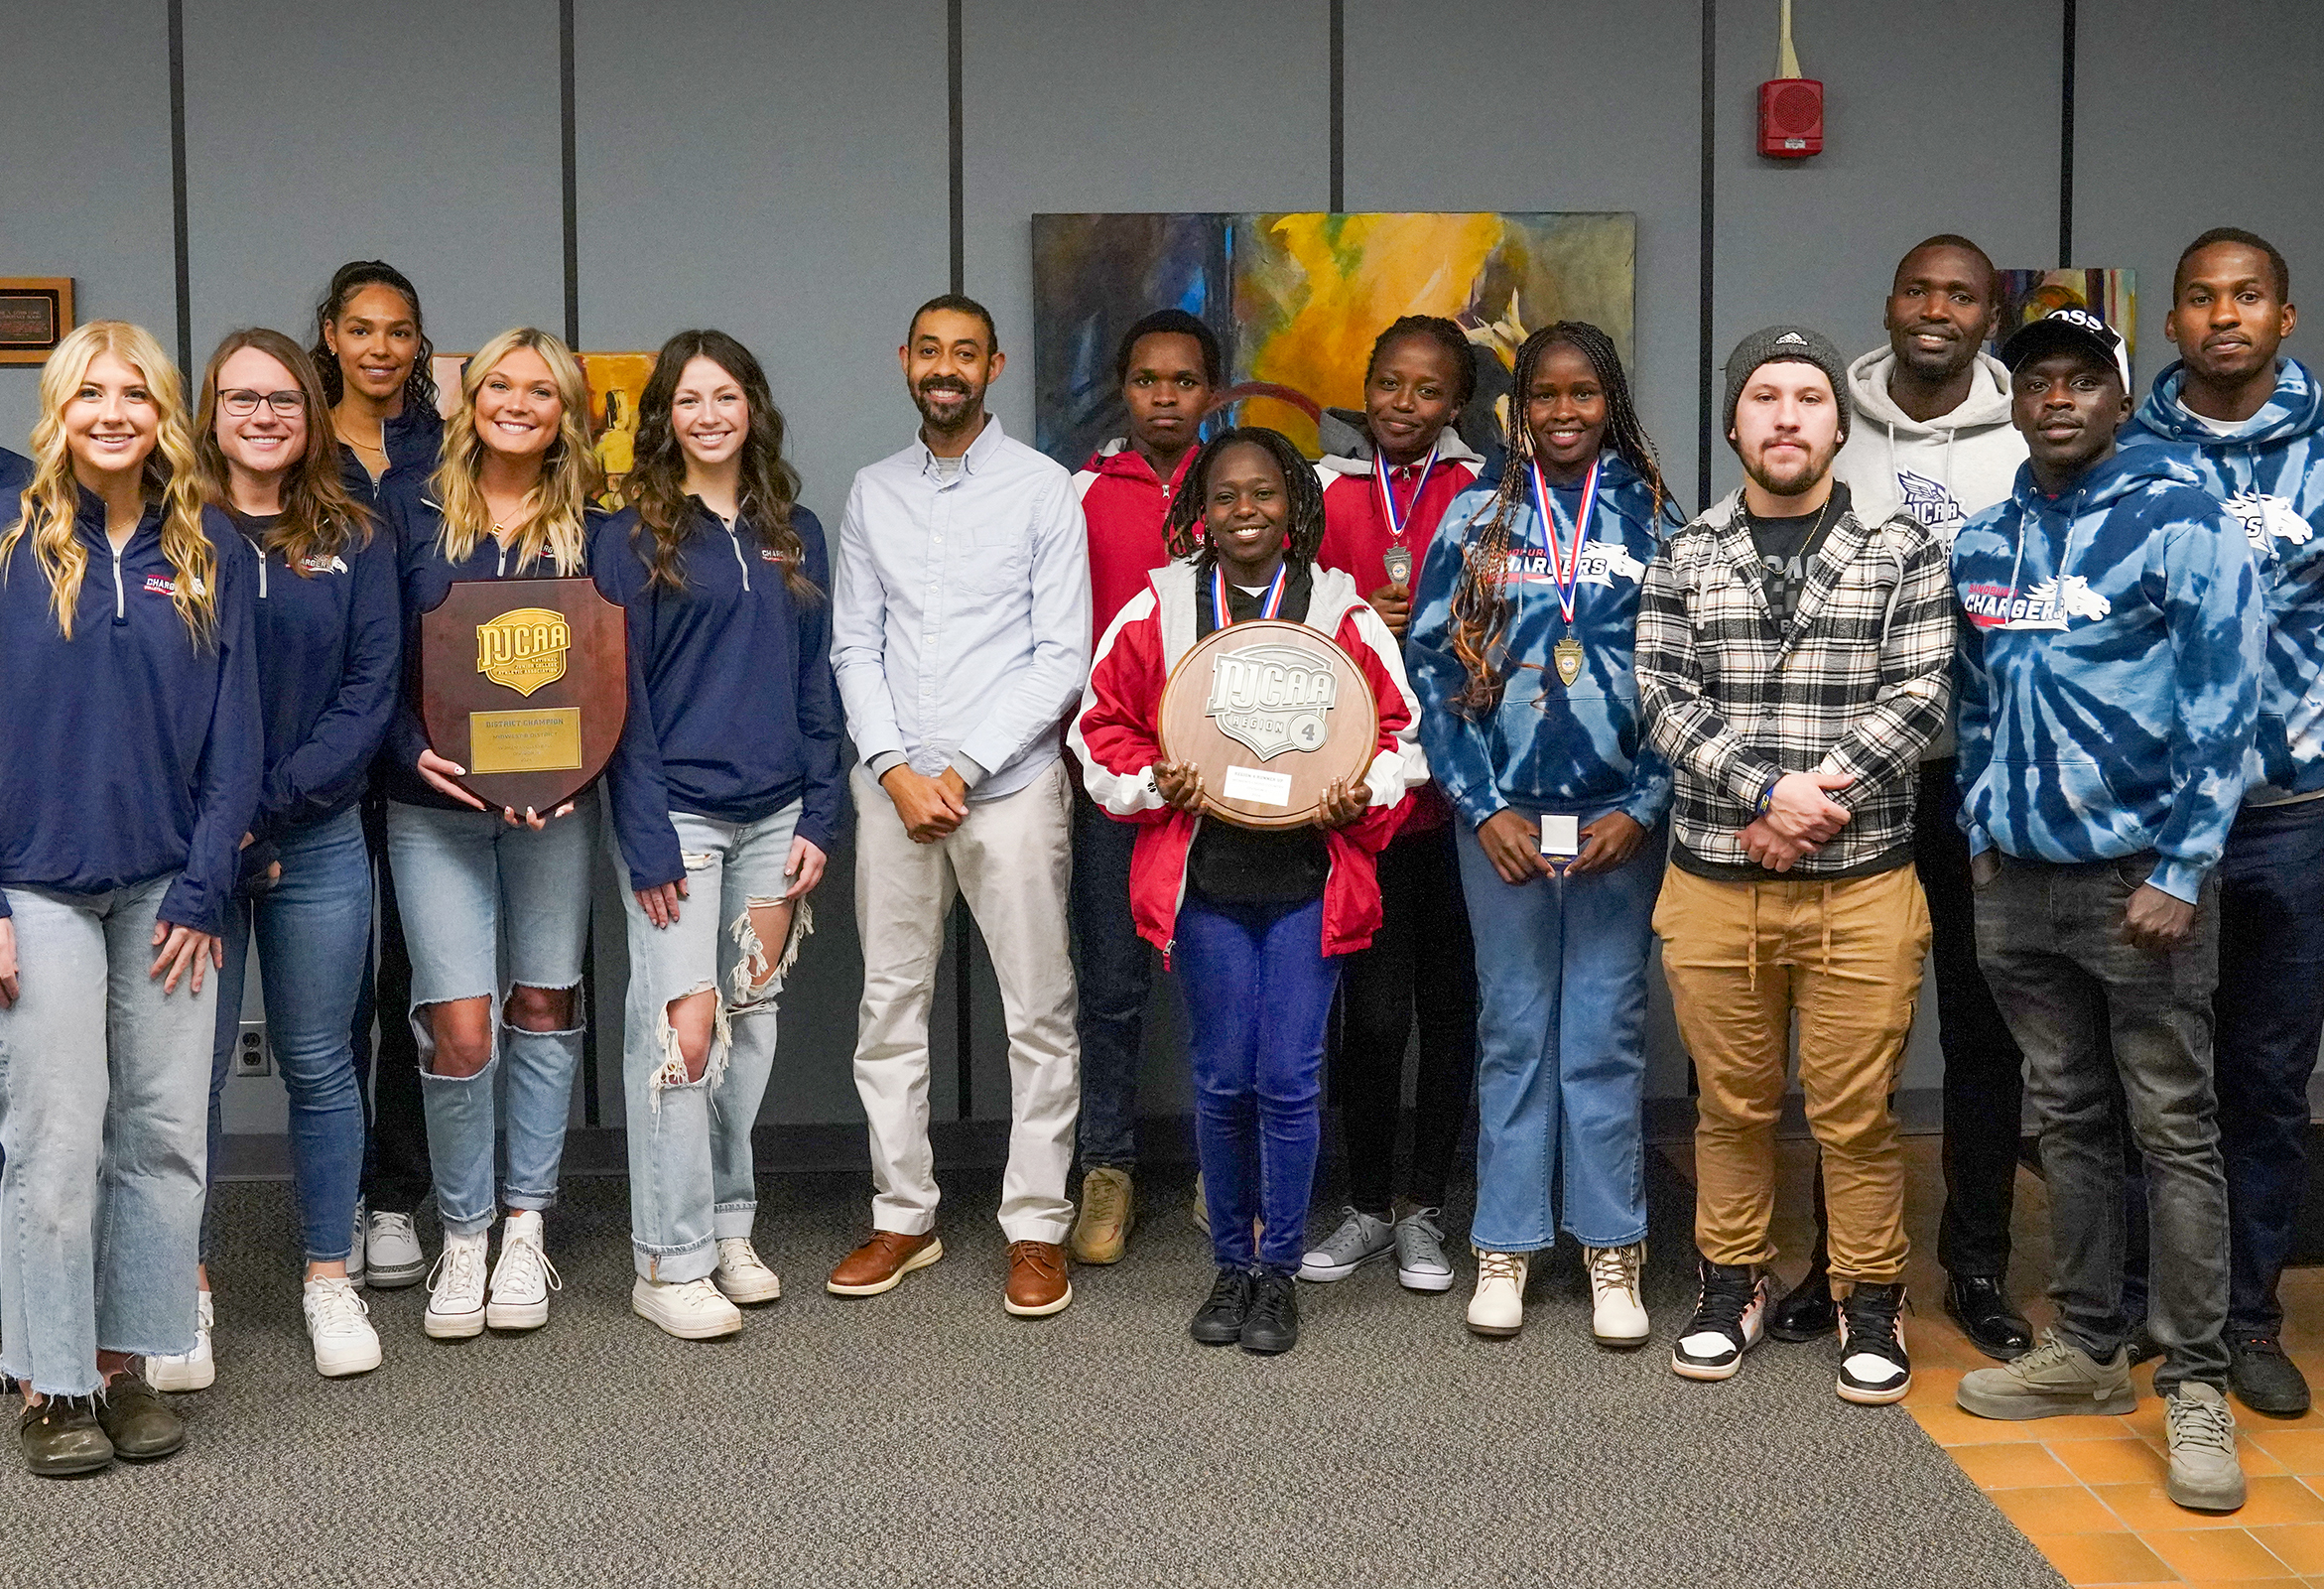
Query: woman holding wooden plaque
{"x": 723, "y": 819}
{"x": 1520, "y": 649}
{"x": 506, "y": 502}
{"x": 132, "y": 769}
{"x": 1258, "y": 917}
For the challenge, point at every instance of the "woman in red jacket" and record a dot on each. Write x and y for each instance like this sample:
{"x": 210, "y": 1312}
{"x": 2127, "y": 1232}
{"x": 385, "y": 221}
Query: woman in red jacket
{"x": 1257, "y": 920}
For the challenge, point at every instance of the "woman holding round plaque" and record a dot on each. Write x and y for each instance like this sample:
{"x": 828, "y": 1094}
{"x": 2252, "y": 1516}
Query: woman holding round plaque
{"x": 507, "y": 501}
{"x": 724, "y": 817}
{"x": 1258, "y": 918}
{"x": 330, "y": 635}
{"x": 132, "y": 769}
{"x": 1520, "y": 650}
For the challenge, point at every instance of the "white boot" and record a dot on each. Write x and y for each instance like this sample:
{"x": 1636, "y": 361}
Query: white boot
{"x": 1617, "y": 1312}
{"x": 1498, "y": 1307}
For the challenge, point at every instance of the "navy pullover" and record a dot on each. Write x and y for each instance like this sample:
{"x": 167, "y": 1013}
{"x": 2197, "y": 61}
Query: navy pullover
{"x": 739, "y": 714}
{"x": 16, "y": 472}
{"x": 412, "y": 440}
{"x": 133, "y": 752}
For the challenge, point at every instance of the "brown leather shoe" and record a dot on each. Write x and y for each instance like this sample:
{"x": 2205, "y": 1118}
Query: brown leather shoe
{"x": 1037, "y": 1286}
{"x": 880, "y": 1262}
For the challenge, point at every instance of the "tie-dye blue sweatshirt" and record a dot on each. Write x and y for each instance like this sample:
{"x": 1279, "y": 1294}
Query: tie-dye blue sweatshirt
{"x": 2107, "y": 668}
{"x": 1548, "y": 746}
{"x": 2270, "y": 471}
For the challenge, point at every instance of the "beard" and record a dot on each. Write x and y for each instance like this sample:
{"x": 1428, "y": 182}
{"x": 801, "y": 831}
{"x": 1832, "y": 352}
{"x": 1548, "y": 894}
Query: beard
{"x": 1791, "y": 479}
{"x": 946, "y": 402}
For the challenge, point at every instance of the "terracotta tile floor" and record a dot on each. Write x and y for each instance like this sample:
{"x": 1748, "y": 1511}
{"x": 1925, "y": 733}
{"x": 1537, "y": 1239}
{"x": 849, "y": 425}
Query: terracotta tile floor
{"x": 2088, "y": 1492}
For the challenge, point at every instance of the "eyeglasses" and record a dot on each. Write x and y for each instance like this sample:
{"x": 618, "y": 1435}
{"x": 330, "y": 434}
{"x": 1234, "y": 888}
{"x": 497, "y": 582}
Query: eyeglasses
{"x": 243, "y": 402}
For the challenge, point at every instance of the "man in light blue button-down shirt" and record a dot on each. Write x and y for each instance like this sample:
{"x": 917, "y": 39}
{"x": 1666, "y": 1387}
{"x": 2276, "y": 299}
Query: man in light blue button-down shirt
{"x": 960, "y": 637}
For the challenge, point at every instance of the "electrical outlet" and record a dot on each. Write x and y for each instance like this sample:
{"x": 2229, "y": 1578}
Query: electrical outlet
{"x": 252, "y": 1056}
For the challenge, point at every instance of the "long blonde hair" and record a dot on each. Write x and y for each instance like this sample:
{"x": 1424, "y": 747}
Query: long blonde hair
{"x": 52, "y": 502}
{"x": 318, "y": 520}
{"x": 551, "y": 525}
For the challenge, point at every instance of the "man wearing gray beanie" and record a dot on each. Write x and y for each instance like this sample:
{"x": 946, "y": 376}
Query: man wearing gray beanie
{"x": 1792, "y": 662}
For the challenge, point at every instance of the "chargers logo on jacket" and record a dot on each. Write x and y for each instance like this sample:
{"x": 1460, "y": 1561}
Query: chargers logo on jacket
{"x": 2266, "y": 519}
{"x": 164, "y": 585}
{"x": 1602, "y": 562}
{"x": 2051, "y": 604}
{"x": 323, "y": 564}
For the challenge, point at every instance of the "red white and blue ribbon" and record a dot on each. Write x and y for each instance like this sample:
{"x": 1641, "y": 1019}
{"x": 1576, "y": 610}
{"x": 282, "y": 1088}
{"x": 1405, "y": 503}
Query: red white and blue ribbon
{"x": 1380, "y": 474}
{"x": 1566, "y": 567}
{"x": 1223, "y": 615}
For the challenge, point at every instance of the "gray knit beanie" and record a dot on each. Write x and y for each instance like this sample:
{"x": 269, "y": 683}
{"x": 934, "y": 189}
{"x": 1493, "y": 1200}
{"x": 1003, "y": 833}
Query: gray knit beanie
{"x": 1778, "y": 343}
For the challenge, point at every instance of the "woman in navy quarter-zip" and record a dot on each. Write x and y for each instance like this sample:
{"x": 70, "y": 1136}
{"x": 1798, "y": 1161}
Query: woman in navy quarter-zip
{"x": 131, "y": 720}
{"x": 724, "y": 817}
{"x": 372, "y": 351}
{"x": 329, "y": 637}
{"x": 485, "y": 888}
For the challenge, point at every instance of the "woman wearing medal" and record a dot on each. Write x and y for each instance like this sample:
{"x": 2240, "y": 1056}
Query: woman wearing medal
{"x": 1520, "y": 651}
{"x": 1387, "y": 486}
{"x": 1257, "y": 921}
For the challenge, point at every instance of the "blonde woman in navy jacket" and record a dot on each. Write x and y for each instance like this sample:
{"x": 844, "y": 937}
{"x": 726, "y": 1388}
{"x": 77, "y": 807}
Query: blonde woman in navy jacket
{"x": 131, "y": 720}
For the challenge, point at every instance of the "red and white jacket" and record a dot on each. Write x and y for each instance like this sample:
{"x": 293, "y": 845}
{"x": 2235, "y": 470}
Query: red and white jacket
{"x": 1124, "y": 504}
{"x": 1116, "y": 739}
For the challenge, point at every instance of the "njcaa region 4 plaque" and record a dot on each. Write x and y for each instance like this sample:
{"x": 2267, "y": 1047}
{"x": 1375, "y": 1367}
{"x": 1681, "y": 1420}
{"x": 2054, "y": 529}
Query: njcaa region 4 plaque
{"x": 526, "y": 684}
{"x": 1273, "y": 713}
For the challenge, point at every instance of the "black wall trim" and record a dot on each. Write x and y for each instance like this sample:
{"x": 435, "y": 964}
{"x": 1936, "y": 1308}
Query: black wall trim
{"x": 1338, "y": 69}
{"x": 960, "y": 201}
{"x": 2066, "y": 144}
{"x": 567, "y": 110}
{"x": 964, "y": 941}
{"x": 1704, "y": 350}
{"x": 179, "y": 225}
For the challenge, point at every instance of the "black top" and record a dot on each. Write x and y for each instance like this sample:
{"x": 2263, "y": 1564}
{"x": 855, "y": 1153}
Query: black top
{"x": 1787, "y": 549}
{"x": 1231, "y": 865}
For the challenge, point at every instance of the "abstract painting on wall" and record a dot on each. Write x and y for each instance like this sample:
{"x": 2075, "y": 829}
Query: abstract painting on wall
{"x": 2111, "y": 294}
{"x": 1297, "y": 299}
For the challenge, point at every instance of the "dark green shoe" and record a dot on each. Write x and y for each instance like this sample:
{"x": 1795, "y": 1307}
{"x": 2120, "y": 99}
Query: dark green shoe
{"x": 138, "y": 1418}
{"x": 60, "y": 1437}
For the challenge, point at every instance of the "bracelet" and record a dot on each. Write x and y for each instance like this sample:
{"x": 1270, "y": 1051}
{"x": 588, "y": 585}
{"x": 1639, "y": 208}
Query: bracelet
{"x": 1766, "y": 798}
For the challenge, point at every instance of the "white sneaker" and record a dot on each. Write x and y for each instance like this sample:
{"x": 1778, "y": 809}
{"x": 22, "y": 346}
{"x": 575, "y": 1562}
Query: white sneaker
{"x": 741, "y": 1275}
{"x": 1498, "y": 1307}
{"x": 339, "y": 1325}
{"x": 1618, "y": 1313}
{"x": 187, "y": 1371}
{"x": 391, "y": 1252}
{"x": 691, "y": 1310}
{"x": 455, "y": 1291}
{"x": 524, "y": 1276}
{"x": 355, "y": 1247}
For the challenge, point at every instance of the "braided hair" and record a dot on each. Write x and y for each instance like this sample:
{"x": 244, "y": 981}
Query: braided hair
{"x": 1303, "y": 498}
{"x": 1480, "y": 607}
{"x": 1446, "y": 334}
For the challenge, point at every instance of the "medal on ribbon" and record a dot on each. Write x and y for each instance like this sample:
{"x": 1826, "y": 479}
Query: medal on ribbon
{"x": 1565, "y": 565}
{"x": 1567, "y": 655}
{"x": 1223, "y": 615}
{"x": 1398, "y": 555}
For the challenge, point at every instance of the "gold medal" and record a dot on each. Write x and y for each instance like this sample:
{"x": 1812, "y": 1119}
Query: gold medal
{"x": 1567, "y": 654}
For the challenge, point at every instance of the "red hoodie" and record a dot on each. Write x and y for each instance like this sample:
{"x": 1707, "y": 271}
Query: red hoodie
{"x": 1115, "y": 738}
{"x": 1124, "y": 504}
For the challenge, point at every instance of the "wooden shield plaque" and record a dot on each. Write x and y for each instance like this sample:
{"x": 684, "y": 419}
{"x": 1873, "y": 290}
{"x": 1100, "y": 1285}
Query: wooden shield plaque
{"x": 1274, "y": 713}
{"x": 526, "y": 684}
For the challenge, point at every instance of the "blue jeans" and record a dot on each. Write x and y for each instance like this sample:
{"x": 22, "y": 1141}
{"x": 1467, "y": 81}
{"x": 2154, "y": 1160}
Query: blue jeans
{"x": 101, "y": 1087}
{"x": 1258, "y": 995}
{"x": 2270, "y": 1017}
{"x": 478, "y": 894}
{"x": 313, "y": 926}
{"x": 1113, "y": 967}
{"x": 1561, "y": 1060}
{"x": 692, "y": 1180}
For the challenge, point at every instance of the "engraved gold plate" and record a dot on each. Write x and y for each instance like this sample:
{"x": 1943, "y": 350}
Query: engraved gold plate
{"x": 544, "y": 739}
{"x": 524, "y": 649}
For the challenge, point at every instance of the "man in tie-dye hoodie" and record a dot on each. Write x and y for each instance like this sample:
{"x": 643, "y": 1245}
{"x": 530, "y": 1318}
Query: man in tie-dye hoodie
{"x": 2108, "y": 687}
{"x": 2252, "y": 421}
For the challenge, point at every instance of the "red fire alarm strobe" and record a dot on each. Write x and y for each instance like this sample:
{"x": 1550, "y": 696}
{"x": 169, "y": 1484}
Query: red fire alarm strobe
{"x": 1791, "y": 108}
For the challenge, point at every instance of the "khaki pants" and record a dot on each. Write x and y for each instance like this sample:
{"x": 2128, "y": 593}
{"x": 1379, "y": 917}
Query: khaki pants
{"x": 1743, "y": 959}
{"x": 1012, "y": 858}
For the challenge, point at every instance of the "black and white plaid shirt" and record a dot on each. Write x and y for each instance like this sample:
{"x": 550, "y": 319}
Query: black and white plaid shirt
{"x": 1856, "y": 684}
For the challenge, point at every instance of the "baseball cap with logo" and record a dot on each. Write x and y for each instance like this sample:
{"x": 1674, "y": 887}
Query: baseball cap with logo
{"x": 2076, "y": 329}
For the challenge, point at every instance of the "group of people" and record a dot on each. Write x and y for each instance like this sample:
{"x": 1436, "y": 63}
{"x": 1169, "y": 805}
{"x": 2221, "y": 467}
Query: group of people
{"x": 1977, "y": 660}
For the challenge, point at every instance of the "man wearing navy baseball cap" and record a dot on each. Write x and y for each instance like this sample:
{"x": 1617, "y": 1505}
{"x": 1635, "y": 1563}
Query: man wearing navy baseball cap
{"x": 2107, "y": 690}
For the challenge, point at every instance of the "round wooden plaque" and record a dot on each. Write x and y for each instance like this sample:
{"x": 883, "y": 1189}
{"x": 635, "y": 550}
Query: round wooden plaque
{"x": 1274, "y": 713}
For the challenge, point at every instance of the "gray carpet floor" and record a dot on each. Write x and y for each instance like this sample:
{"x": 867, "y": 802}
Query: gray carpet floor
{"x": 927, "y": 1438}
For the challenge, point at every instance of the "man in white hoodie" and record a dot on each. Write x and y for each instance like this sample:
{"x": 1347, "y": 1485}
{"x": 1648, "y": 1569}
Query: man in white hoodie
{"x": 1932, "y": 439}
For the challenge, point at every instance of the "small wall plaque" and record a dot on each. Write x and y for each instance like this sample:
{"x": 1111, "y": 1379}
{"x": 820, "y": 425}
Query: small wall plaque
{"x": 35, "y": 314}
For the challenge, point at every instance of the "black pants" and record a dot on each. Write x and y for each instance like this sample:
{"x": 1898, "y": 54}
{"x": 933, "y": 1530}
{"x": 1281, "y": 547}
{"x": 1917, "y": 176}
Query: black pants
{"x": 1421, "y": 963}
{"x": 396, "y": 1175}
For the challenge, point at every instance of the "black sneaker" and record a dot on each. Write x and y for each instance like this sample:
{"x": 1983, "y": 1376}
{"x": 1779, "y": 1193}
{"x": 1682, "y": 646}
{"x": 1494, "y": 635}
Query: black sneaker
{"x": 1272, "y": 1325}
{"x": 1218, "y": 1321}
{"x": 2264, "y": 1378}
{"x": 1807, "y": 1311}
{"x": 1731, "y": 1313}
{"x": 1874, "y": 1370}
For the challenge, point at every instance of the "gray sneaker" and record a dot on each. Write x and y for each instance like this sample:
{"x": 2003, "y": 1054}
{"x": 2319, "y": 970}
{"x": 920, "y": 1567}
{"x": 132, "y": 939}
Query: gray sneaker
{"x": 2205, "y": 1475}
{"x": 1420, "y": 1252}
{"x": 1359, "y": 1240}
{"x": 2055, "y": 1380}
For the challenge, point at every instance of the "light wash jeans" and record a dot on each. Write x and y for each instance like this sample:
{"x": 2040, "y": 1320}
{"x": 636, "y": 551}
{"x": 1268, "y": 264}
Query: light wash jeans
{"x": 314, "y": 925}
{"x": 692, "y": 1181}
{"x": 478, "y": 894}
{"x": 102, "y": 1082}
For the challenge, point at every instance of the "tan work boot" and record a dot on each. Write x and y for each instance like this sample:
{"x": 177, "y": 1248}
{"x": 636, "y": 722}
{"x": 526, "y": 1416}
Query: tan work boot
{"x": 1108, "y": 1210}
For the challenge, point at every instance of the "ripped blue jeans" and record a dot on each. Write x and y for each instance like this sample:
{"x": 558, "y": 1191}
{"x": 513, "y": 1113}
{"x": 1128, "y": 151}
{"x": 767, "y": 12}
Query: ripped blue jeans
{"x": 692, "y": 1180}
